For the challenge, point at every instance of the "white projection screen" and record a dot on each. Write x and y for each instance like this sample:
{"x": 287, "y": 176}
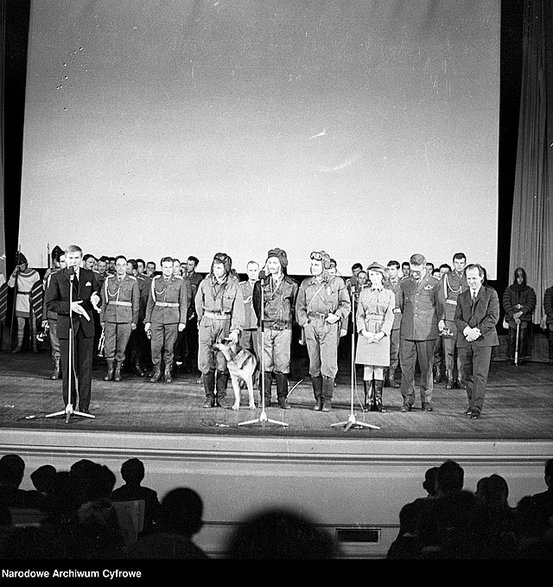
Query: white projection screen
{"x": 366, "y": 128}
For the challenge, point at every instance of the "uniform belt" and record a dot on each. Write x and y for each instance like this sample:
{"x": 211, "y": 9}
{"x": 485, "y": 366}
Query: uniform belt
{"x": 397, "y": 310}
{"x": 317, "y": 314}
{"x": 23, "y": 293}
{"x": 375, "y": 315}
{"x": 452, "y": 302}
{"x": 167, "y": 304}
{"x": 217, "y": 315}
{"x": 277, "y": 324}
{"x": 117, "y": 303}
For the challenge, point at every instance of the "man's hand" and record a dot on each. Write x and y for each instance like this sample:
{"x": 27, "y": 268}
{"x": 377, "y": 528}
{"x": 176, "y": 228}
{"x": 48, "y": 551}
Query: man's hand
{"x": 78, "y": 309}
{"x": 332, "y": 318}
{"x": 181, "y": 326}
{"x": 441, "y": 325}
{"x": 133, "y": 326}
{"x": 95, "y": 301}
{"x": 44, "y": 323}
{"x": 234, "y": 336}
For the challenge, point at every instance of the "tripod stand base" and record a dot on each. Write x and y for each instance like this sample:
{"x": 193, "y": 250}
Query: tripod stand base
{"x": 352, "y": 422}
{"x": 68, "y": 412}
{"x": 263, "y": 419}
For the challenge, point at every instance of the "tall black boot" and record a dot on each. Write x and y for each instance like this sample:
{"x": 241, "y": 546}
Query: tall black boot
{"x": 267, "y": 383}
{"x": 221, "y": 384}
{"x": 168, "y": 374}
{"x": 117, "y": 375}
{"x": 369, "y": 395}
{"x": 328, "y": 389}
{"x": 282, "y": 390}
{"x": 449, "y": 379}
{"x": 378, "y": 389}
{"x": 208, "y": 379}
{"x": 317, "y": 383}
{"x": 109, "y": 373}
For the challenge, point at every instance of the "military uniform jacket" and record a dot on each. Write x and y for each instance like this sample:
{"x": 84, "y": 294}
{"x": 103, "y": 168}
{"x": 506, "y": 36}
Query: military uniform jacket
{"x": 420, "y": 308}
{"x": 395, "y": 287}
{"x": 451, "y": 285}
{"x": 58, "y": 298}
{"x": 320, "y": 298}
{"x": 168, "y": 300}
{"x": 250, "y": 319}
{"x": 279, "y": 302}
{"x": 483, "y": 314}
{"x": 120, "y": 300}
{"x": 221, "y": 298}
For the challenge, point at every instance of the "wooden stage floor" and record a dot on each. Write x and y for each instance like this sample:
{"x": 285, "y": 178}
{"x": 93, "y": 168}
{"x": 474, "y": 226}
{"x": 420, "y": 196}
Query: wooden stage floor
{"x": 518, "y": 406}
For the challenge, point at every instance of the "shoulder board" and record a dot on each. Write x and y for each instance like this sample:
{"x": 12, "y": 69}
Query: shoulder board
{"x": 179, "y": 277}
{"x": 132, "y": 277}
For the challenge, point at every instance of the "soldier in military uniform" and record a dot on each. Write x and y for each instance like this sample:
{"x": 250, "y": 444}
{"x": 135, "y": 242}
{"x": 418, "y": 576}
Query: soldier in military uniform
{"x": 322, "y": 304}
{"x": 249, "y": 339}
{"x": 279, "y": 292}
{"x": 165, "y": 317}
{"x": 190, "y": 351}
{"x": 452, "y": 284}
{"x": 220, "y": 310}
{"x": 420, "y": 308}
{"x": 118, "y": 316}
{"x": 392, "y": 283}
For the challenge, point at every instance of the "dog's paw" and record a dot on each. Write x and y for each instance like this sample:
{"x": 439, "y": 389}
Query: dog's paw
{"x": 252, "y": 407}
{"x": 236, "y": 406}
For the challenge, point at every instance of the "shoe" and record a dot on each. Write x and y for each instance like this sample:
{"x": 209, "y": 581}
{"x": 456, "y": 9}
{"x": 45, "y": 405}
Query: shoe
{"x": 406, "y": 408}
{"x": 428, "y": 407}
{"x": 221, "y": 402}
{"x": 283, "y": 403}
{"x": 327, "y": 407}
{"x": 475, "y": 414}
{"x": 85, "y": 411}
{"x": 318, "y": 405}
{"x": 467, "y": 412}
{"x": 209, "y": 402}
{"x": 394, "y": 383}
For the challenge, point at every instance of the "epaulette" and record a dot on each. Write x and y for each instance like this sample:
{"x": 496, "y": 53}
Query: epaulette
{"x": 132, "y": 277}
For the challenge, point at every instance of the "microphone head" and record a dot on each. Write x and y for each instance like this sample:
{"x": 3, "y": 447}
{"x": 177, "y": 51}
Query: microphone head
{"x": 71, "y": 271}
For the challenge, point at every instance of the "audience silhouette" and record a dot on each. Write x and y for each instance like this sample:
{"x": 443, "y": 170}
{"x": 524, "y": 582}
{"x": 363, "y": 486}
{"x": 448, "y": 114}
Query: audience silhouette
{"x": 80, "y": 521}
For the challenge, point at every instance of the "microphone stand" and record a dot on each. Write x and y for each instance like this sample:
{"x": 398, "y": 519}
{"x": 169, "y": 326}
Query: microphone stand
{"x": 352, "y": 421}
{"x": 262, "y": 419}
{"x": 69, "y": 411}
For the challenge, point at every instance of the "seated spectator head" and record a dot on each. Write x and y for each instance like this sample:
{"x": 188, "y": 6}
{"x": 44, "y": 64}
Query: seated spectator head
{"x": 408, "y": 518}
{"x": 12, "y": 470}
{"x": 279, "y": 533}
{"x": 182, "y": 510}
{"x": 43, "y": 477}
{"x": 493, "y": 491}
{"x": 133, "y": 471}
{"x": 449, "y": 478}
{"x": 429, "y": 483}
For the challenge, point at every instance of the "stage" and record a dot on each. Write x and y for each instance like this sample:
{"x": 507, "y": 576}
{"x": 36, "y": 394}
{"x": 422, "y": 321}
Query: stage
{"x": 350, "y": 481}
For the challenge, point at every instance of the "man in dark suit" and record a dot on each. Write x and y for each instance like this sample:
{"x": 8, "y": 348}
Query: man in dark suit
{"x": 476, "y": 316}
{"x": 73, "y": 293}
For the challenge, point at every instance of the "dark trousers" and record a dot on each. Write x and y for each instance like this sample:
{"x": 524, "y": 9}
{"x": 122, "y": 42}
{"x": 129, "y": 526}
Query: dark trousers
{"x": 190, "y": 345}
{"x": 475, "y": 365}
{"x": 523, "y": 341}
{"x": 163, "y": 340}
{"x": 81, "y": 379}
{"x": 411, "y": 351}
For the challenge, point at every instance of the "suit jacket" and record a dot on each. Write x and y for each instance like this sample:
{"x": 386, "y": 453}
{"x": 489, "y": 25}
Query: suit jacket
{"x": 58, "y": 297}
{"x": 484, "y": 315}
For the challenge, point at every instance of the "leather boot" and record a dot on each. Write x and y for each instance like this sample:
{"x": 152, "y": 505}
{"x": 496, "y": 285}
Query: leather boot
{"x": 282, "y": 390}
{"x": 168, "y": 374}
{"x": 138, "y": 369}
{"x": 449, "y": 379}
{"x": 369, "y": 395}
{"x": 221, "y": 384}
{"x": 392, "y": 379}
{"x": 378, "y": 389}
{"x": 317, "y": 383}
{"x": 109, "y": 373}
{"x": 117, "y": 375}
{"x": 436, "y": 373}
{"x": 387, "y": 377}
{"x": 156, "y": 375}
{"x": 56, "y": 371}
{"x": 267, "y": 383}
{"x": 34, "y": 342}
{"x": 19, "y": 346}
{"x": 328, "y": 389}
{"x": 208, "y": 379}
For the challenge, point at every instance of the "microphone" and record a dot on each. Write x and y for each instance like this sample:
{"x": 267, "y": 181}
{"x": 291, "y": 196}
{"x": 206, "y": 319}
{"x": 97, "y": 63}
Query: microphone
{"x": 71, "y": 272}
{"x": 264, "y": 277}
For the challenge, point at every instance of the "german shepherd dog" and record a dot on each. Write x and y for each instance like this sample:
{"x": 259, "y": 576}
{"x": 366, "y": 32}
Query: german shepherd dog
{"x": 242, "y": 367}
